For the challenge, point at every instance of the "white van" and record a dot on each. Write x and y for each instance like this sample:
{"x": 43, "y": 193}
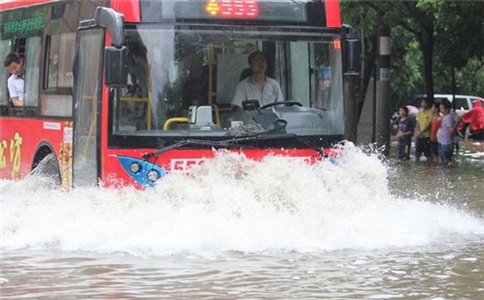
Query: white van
{"x": 463, "y": 103}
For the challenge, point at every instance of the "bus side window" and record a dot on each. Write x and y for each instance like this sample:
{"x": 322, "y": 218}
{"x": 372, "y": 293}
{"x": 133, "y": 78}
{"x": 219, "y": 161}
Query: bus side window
{"x": 4, "y": 50}
{"x": 32, "y": 70}
{"x": 57, "y": 100}
{"x": 52, "y": 62}
{"x": 60, "y": 59}
{"x": 17, "y": 45}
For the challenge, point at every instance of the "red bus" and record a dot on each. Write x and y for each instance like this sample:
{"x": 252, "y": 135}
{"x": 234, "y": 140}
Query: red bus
{"x": 126, "y": 91}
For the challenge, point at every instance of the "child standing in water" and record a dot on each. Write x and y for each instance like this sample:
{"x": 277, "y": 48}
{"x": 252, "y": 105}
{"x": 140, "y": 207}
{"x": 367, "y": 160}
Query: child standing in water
{"x": 404, "y": 134}
{"x": 434, "y": 127}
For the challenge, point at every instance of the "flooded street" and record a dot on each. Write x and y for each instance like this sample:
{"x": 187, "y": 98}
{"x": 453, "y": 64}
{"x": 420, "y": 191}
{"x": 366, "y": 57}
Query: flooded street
{"x": 237, "y": 229}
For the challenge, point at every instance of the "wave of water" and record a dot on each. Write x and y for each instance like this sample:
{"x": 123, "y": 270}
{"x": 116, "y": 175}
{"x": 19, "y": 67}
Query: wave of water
{"x": 232, "y": 203}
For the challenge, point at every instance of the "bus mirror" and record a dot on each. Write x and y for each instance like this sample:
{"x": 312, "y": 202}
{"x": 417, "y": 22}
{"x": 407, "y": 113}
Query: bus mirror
{"x": 116, "y": 66}
{"x": 352, "y": 53}
{"x": 110, "y": 19}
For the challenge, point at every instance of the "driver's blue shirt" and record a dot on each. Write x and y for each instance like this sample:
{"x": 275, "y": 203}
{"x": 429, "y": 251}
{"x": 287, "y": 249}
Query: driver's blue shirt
{"x": 248, "y": 89}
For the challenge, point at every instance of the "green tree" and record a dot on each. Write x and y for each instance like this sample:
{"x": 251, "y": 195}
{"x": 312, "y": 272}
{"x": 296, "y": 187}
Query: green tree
{"x": 429, "y": 37}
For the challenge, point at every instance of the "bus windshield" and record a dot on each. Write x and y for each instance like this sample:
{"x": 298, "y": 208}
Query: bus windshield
{"x": 182, "y": 81}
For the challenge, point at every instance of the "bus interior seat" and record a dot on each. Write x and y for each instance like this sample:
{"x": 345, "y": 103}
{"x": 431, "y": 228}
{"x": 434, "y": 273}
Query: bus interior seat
{"x": 245, "y": 73}
{"x": 228, "y": 76}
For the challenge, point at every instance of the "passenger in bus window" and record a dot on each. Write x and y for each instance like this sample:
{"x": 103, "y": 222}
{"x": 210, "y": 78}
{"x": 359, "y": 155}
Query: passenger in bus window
{"x": 133, "y": 109}
{"x": 194, "y": 79}
{"x": 257, "y": 86}
{"x": 16, "y": 84}
{"x": 171, "y": 101}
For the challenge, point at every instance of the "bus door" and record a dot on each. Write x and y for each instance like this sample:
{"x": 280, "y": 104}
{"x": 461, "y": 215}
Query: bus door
{"x": 87, "y": 95}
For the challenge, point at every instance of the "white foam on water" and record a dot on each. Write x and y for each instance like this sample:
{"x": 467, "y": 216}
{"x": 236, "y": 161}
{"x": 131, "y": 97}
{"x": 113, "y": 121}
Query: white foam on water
{"x": 232, "y": 203}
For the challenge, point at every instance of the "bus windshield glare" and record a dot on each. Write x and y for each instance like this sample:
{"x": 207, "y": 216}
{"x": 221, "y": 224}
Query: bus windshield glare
{"x": 182, "y": 82}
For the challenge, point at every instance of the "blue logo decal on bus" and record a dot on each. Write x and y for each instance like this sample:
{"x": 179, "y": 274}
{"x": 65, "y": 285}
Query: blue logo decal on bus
{"x": 143, "y": 172}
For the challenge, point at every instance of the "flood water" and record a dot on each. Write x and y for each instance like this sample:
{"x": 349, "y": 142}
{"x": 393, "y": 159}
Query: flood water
{"x": 237, "y": 229}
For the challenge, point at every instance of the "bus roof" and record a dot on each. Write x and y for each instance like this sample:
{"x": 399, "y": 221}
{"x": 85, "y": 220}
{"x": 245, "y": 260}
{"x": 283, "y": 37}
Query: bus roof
{"x": 11, "y": 4}
{"x": 323, "y": 13}
{"x": 333, "y": 15}
{"x": 129, "y": 8}
{"x": 133, "y": 9}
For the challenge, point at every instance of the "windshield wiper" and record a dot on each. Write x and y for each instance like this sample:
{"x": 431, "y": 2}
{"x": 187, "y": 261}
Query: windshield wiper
{"x": 223, "y": 143}
{"x": 235, "y": 142}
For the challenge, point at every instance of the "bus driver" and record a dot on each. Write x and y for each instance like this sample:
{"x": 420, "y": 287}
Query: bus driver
{"x": 257, "y": 86}
{"x": 15, "y": 65}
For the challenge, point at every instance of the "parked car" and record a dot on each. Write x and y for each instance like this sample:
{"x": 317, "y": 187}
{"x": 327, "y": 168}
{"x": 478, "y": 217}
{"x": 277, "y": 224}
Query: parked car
{"x": 463, "y": 103}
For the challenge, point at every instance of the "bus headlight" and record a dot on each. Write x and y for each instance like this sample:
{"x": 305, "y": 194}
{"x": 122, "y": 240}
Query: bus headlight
{"x": 135, "y": 167}
{"x": 152, "y": 175}
{"x": 141, "y": 171}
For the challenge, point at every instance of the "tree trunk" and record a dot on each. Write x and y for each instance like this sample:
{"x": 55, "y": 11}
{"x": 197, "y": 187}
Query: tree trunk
{"x": 426, "y": 42}
{"x": 369, "y": 69}
{"x": 383, "y": 90}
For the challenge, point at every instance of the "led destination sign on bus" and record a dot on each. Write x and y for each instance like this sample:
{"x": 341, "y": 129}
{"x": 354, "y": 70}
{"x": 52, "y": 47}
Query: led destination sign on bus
{"x": 233, "y": 9}
{"x": 23, "y": 26}
{"x": 293, "y": 11}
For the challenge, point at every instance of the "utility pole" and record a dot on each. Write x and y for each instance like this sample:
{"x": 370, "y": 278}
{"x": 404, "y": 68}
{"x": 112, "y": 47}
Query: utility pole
{"x": 352, "y": 89}
{"x": 453, "y": 86}
{"x": 383, "y": 87}
{"x": 352, "y": 92}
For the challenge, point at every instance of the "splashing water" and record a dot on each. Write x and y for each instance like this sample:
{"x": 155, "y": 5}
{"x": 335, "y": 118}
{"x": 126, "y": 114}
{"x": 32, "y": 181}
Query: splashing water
{"x": 232, "y": 203}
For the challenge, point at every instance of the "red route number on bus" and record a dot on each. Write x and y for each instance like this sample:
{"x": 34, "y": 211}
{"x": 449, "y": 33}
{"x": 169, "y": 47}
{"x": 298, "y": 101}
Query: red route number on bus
{"x": 243, "y": 9}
